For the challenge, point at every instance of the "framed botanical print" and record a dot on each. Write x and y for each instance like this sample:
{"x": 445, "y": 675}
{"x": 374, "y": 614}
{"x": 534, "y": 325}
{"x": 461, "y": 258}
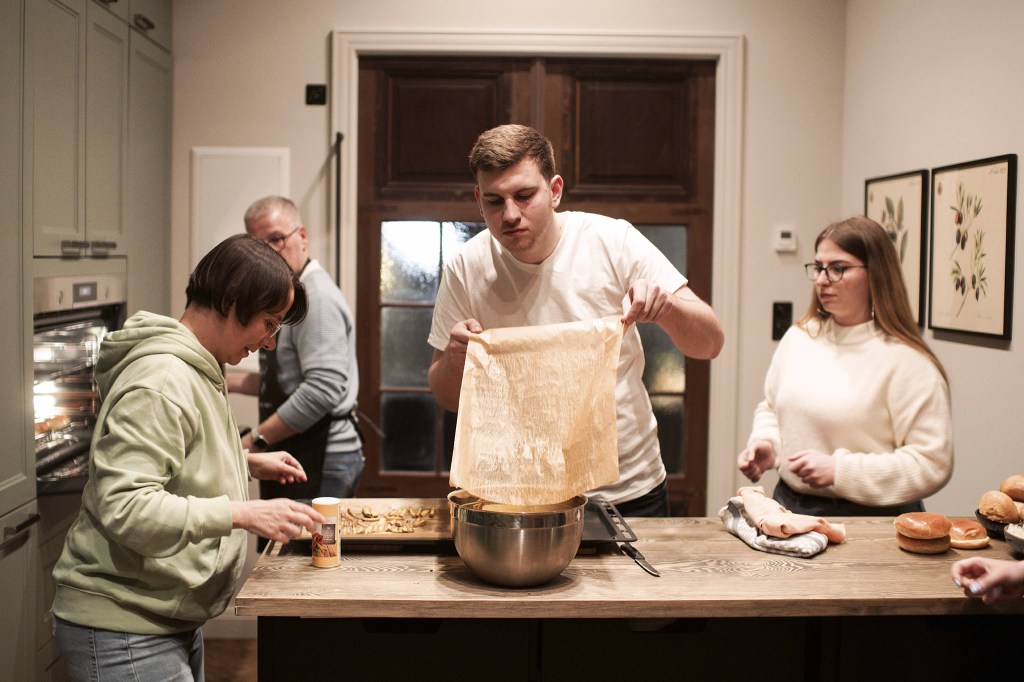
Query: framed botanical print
{"x": 899, "y": 203}
{"x": 973, "y": 216}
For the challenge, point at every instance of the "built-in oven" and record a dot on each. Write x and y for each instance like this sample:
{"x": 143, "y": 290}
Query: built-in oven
{"x": 71, "y": 315}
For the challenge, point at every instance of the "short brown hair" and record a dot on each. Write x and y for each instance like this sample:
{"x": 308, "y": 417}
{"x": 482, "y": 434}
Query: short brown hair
{"x": 245, "y": 274}
{"x": 505, "y": 146}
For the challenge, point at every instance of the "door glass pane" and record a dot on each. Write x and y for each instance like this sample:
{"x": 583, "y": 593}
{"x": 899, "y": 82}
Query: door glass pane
{"x": 407, "y": 420}
{"x": 410, "y": 253}
{"x": 668, "y": 410}
{"x": 670, "y": 240}
{"x": 665, "y": 368}
{"x": 454, "y": 235}
{"x": 664, "y": 371}
{"x": 405, "y": 353}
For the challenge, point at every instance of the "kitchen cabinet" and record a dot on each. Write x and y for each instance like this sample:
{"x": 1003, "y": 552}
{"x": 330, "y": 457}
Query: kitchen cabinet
{"x": 17, "y": 573}
{"x": 18, "y": 515}
{"x": 106, "y": 130}
{"x": 718, "y": 609}
{"x": 54, "y": 125}
{"x": 77, "y": 78}
{"x": 152, "y": 18}
{"x": 149, "y": 185}
{"x": 17, "y": 459}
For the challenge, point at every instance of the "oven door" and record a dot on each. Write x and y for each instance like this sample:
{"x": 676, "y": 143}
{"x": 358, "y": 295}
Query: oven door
{"x": 65, "y": 348}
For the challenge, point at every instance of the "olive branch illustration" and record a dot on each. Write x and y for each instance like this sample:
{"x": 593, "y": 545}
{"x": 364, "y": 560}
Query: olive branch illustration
{"x": 892, "y": 221}
{"x": 966, "y": 210}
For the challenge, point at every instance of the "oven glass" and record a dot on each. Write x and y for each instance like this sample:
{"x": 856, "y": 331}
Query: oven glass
{"x": 65, "y": 397}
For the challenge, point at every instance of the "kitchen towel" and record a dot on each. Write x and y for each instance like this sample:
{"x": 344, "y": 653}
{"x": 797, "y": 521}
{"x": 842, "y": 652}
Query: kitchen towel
{"x": 803, "y": 545}
{"x": 537, "y": 412}
{"x": 771, "y": 518}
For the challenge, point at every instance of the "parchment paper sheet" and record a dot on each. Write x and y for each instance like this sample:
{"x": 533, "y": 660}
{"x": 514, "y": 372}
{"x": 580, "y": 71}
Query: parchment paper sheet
{"x": 537, "y": 412}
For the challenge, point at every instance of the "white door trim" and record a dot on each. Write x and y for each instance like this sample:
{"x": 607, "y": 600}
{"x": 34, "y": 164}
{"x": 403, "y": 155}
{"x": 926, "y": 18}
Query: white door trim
{"x": 728, "y": 52}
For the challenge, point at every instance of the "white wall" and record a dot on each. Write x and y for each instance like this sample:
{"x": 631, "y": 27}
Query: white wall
{"x": 931, "y": 83}
{"x": 241, "y": 67}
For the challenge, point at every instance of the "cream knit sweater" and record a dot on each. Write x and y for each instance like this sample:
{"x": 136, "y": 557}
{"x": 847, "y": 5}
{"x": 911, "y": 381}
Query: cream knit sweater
{"x": 880, "y": 407}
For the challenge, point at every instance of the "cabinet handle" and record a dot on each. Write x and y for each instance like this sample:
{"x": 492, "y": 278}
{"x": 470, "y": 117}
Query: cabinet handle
{"x": 142, "y": 22}
{"x": 109, "y": 2}
{"x": 73, "y": 245}
{"x": 100, "y": 245}
{"x": 11, "y": 532}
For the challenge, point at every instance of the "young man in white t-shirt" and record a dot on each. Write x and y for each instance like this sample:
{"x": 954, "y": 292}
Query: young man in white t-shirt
{"x": 536, "y": 266}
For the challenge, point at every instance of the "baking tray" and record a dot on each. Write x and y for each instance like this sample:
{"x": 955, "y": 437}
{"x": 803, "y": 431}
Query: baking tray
{"x": 602, "y": 524}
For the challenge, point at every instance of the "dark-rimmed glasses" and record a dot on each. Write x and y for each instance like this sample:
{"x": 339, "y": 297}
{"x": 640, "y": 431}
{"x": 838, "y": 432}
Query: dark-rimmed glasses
{"x": 833, "y": 272}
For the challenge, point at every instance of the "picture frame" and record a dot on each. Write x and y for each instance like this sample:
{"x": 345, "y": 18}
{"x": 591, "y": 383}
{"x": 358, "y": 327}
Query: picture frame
{"x": 899, "y": 203}
{"x": 972, "y": 242}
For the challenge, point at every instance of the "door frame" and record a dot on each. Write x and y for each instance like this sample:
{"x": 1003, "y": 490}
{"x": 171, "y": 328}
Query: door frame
{"x": 727, "y": 50}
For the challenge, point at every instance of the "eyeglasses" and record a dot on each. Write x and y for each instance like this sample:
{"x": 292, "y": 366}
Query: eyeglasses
{"x": 277, "y": 243}
{"x": 272, "y": 327}
{"x": 833, "y": 272}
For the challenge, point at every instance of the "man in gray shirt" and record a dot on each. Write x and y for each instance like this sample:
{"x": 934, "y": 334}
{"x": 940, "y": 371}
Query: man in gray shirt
{"x": 308, "y": 385}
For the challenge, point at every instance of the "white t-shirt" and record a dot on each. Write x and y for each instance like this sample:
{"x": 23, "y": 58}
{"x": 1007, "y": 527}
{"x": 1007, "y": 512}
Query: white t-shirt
{"x": 586, "y": 277}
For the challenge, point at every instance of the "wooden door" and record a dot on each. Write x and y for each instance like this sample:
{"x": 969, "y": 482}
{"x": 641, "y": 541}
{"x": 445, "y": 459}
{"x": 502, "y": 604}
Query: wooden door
{"x": 633, "y": 139}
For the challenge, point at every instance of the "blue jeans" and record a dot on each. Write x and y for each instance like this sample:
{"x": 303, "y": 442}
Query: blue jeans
{"x": 92, "y": 654}
{"x": 341, "y": 473}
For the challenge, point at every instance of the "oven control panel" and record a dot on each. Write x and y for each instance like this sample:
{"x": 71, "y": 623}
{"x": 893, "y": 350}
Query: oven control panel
{"x": 53, "y": 294}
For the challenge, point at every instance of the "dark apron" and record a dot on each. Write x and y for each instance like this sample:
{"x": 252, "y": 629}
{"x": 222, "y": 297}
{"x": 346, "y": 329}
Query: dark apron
{"x": 308, "y": 447}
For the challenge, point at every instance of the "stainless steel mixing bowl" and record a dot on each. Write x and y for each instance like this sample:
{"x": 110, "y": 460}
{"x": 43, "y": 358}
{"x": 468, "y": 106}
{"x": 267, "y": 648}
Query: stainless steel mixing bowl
{"x": 515, "y": 546}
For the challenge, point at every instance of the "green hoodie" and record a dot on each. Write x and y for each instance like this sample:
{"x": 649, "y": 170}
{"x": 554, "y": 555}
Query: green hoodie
{"x": 152, "y": 550}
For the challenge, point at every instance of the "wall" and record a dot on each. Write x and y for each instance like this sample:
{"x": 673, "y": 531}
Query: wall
{"x": 241, "y": 68}
{"x": 931, "y": 83}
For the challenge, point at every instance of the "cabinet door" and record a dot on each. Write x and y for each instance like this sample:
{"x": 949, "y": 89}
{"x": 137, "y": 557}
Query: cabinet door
{"x": 16, "y": 602}
{"x": 153, "y": 19}
{"x": 149, "y": 183}
{"x": 17, "y": 460}
{"x": 54, "y": 119}
{"x": 106, "y": 131}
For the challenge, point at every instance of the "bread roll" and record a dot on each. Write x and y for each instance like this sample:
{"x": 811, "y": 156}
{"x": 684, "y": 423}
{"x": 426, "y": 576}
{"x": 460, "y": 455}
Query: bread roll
{"x": 967, "y": 534}
{"x": 1014, "y": 487}
{"x": 1020, "y": 508}
{"x": 922, "y": 525}
{"x": 920, "y": 546}
{"x": 997, "y": 506}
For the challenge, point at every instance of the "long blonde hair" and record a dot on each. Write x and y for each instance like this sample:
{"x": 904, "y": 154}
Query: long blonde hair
{"x": 890, "y": 306}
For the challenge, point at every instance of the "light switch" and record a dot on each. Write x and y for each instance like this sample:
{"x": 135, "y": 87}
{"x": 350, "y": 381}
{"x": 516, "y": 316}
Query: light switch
{"x": 782, "y": 318}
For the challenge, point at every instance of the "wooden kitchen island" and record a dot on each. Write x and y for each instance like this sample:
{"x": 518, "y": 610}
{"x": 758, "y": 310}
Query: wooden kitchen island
{"x": 720, "y": 610}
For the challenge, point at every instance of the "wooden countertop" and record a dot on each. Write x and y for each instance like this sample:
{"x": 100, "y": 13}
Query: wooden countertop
{"x": 705, "y": 572}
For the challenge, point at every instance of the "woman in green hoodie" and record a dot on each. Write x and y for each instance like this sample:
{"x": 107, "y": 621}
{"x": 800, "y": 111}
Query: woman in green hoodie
{"x": 159, "y": 544}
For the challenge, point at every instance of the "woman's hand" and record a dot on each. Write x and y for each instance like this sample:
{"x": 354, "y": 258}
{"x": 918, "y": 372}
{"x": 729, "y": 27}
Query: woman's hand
{"x": 279, "y": 466}
{"x": 278, "y": 519}
{"x": 990, "y": 579}
{"x": 757, "y": 459}
{"x": 814, "y": 468}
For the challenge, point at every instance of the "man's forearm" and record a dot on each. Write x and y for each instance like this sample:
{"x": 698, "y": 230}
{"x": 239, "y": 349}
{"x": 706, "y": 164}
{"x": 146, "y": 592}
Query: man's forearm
{"x": 693, "y": 326}
{"x": 445, "y": 379}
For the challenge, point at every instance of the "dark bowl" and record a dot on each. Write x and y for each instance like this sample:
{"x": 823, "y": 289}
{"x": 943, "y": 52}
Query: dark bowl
{"x": 1014, "y": 535}
{"x": 993, "y": 528}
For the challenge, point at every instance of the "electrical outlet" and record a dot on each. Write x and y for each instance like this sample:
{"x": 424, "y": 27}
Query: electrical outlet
{"x": 316, "y": 94}
{"x": 782, "y": 318}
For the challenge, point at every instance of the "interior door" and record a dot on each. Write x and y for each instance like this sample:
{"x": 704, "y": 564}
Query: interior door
{"x": 633, "y": 139}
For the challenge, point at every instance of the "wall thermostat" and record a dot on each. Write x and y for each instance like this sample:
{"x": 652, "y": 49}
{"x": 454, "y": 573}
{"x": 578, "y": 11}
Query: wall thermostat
{"x": 785, "y": 240}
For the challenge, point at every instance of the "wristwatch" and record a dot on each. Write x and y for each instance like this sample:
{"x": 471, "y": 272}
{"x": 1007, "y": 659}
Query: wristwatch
{"x": 259, "y": 441}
